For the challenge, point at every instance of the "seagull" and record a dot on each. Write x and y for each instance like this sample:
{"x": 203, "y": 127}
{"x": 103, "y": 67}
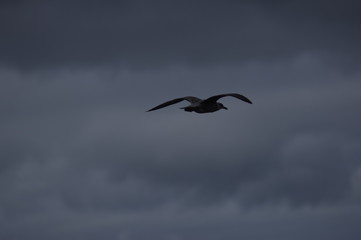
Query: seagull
{"x": 202, "y": 105}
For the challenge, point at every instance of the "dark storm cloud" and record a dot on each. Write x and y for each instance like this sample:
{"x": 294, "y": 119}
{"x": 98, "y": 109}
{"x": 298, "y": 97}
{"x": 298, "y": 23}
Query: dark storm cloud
{"x": 81, "y": 159}
{"x": 142, "y": 33}
{"x": 89, "y": 125}
{"x": 112, "y": 171}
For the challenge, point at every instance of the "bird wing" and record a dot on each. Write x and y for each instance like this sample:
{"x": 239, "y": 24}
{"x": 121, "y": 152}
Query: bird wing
{"x": 192, "y": 99}
{"x": 236, "y": 95}
{"x": 174, "y": 101}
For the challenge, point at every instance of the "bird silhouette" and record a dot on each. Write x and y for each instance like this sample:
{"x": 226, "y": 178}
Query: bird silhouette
{"x": 202, "y": 105}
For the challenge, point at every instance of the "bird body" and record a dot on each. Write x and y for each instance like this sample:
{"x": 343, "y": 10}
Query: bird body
{"x": 202, "y": 105}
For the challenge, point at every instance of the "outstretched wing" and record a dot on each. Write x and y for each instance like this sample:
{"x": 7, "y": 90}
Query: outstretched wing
{"x": 236, "y": 95}
{"x": 174, "y": 101}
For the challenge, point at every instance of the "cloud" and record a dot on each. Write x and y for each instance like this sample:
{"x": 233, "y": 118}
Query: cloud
{"x": 82, "y": 159}
{"x": 141, "y": 35}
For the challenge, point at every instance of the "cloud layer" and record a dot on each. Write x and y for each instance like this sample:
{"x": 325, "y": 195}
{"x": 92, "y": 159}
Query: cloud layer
{"x": 81, "y": 159}
{"x": 143, "y": 34}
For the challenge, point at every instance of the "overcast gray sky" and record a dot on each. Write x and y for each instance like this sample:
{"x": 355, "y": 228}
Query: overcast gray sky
{"x": 81, "y": 159}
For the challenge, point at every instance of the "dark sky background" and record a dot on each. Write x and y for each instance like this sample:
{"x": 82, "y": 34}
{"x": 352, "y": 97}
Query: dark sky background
{"x": 81, "y": 159}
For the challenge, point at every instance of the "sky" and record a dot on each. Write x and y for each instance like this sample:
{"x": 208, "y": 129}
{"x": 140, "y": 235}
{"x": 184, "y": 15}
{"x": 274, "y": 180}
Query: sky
{"x": 80, "y": 158}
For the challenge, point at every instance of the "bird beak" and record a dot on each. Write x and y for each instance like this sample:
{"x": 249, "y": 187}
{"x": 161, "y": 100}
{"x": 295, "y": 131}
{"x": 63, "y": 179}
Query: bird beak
{"x": 225, "y": 108}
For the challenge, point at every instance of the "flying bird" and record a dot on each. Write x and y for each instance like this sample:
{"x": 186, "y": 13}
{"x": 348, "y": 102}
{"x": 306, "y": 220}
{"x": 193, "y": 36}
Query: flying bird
{"x": 202, "y": 105}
